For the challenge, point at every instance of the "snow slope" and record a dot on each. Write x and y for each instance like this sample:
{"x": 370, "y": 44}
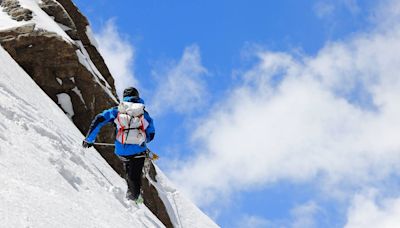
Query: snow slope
{"x": 46, "y": 178}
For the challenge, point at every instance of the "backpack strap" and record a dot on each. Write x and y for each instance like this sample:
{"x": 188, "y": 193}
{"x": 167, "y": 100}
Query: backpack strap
{"x": 121, "y": 129}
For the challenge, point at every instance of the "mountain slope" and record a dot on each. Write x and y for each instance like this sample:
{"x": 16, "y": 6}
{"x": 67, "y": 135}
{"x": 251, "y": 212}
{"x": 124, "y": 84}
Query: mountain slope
{"x": 52, "y": 41}
{"x": 47, "y": 179}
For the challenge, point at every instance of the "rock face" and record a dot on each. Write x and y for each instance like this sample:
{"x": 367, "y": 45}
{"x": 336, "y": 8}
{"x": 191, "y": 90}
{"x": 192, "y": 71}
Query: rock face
{"x": 152, "y": 199}
{"x": 69, "y": 64}
{"x": 16, "y": 12}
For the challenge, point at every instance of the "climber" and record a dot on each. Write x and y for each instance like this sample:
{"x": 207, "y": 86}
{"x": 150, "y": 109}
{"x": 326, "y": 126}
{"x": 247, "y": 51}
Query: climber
{"x": 135, "y": 128}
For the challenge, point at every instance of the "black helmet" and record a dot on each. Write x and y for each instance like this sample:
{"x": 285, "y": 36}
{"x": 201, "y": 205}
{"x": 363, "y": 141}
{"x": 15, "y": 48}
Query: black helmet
{"x": 131, "y": 92}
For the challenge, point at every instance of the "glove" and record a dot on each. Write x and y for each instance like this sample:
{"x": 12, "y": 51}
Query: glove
{"x": 154, "y": 157}
{"x": 86, "y": 144}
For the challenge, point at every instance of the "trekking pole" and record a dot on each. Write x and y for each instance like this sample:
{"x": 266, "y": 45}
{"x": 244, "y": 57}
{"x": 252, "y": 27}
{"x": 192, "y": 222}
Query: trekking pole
{"x": 104, "y": 144}
{"x": 149, "y": 154}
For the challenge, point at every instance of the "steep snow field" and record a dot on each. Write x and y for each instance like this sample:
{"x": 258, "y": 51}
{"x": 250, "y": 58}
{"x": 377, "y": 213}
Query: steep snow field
{"x": 46, "y": 178}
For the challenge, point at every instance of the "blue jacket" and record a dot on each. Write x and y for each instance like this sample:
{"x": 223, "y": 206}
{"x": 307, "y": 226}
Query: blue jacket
{"x": 108, "y": 116}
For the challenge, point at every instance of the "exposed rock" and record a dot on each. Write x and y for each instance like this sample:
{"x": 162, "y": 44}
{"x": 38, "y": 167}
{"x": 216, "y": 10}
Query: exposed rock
{"x": 81, "y": 26}
{"x": 16, "y": 12}
{"x": 14, "y": 32}
{"x": 152, "y": 199}
{"x": 61, "y": 16}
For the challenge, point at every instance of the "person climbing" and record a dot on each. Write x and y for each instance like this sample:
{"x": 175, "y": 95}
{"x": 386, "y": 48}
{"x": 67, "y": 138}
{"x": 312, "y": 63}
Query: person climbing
{"x": 135, "y": 128}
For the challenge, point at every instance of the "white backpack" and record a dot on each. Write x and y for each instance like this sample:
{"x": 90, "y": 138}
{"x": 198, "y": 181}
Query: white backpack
{"x": 131, "y": 123}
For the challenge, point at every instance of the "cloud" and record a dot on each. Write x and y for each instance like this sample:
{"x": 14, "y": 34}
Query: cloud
{"x": 250, "y": 221}
{"x": 331, "y": 118}
{"x": 303, "y": 215}
{"x": 327, "y": 8}
{"x": 324, "y": 9}
{"x": 118, "y": 54}
{"x": 367, "y": 211}
{"x": 181, "y": 87}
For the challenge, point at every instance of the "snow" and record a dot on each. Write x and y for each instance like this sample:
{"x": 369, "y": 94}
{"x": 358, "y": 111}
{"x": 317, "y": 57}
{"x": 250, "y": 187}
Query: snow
{"x": 85, "y": 60}
{"x": 79, "y": 93}
{"x": 59, "y": 81}
{"x": 64, "y": 27}
{"x": 66, "y": 104}
{"x": 6, "y": 21}
{"x": 47, "y": 178}
{"x": 183, "y": 212}
{"x": 90, "y": 35}
{"x": 40, "y": 18}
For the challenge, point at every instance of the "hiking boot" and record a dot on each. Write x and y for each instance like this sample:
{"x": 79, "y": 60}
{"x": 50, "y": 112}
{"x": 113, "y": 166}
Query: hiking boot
{"x": 131, "y": 196}
{"x": 139, "y": 200}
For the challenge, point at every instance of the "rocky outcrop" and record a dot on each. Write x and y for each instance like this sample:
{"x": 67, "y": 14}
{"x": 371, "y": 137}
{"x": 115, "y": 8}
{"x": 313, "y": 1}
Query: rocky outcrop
{"x": 82, "y": 26}
{"x": 152, "y": 199}
{"x": 70, "y": 67}
{"x": 14, "y": 9}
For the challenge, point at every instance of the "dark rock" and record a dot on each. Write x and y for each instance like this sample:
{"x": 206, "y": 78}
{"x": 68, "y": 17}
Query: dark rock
{"x": 81, "y": 25}
{"x": 61, "y": 16}
{"x": 152, "y": 200}
{"x": 16, "y": 12}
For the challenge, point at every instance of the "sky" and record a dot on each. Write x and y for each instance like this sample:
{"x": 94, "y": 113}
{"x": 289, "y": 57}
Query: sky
{"x": 268, "y": 113}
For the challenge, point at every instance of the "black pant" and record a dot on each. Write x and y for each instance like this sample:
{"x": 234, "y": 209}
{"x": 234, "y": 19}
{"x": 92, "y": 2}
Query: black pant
{"x": 133, "y": 174}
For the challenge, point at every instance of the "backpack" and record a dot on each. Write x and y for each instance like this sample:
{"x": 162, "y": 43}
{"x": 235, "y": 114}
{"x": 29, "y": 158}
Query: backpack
{"x": 131, "y": 124}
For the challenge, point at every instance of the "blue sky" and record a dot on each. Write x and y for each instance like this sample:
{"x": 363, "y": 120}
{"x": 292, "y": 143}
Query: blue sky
{"x": 265, "y": 110}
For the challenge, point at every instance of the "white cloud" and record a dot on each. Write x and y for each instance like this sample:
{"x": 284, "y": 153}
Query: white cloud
{"x": 324, "y": 9}
{"x": 181, "y": 87}
{"x": 118, "y": 54}
{"x": 253, "y": 221}
{"x": 332, "y": 116}
{"x": 352, "y": 6}
{"x": 303, "y": 215}
{"x": 250, "y": 221}
{"x": 327, "y": 8}
{"x": 368, "y": 212}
